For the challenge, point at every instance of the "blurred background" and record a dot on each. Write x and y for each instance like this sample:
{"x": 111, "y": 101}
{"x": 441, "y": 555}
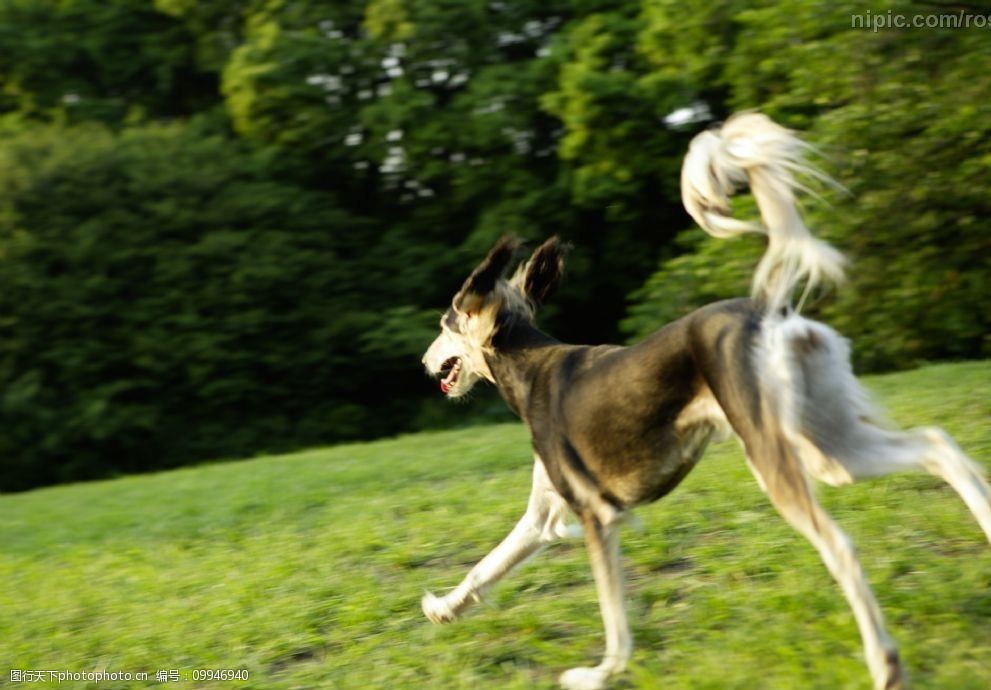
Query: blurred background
{"x": 228, "y": 228}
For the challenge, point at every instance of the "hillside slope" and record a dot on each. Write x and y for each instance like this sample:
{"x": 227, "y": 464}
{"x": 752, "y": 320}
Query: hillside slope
{"x": 306, "y": 570}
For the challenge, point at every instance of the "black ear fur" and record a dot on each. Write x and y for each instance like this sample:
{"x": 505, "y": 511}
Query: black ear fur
{"x": 544, "y": 270}
{"x": 483, "y": 279}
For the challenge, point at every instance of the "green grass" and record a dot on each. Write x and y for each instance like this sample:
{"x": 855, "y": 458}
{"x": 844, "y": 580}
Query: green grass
{"x": 307, "y": 570}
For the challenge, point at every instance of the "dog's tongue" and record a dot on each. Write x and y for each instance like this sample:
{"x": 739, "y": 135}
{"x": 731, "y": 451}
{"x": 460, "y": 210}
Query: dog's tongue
{"x": 445, "y": 385}
{"x": 448, "y": 381}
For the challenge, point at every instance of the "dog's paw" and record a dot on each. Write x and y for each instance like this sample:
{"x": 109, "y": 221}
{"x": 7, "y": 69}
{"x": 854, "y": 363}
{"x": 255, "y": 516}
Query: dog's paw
{"x": 564, "y": 530}
{"x": 436, "y": 609}
{"x": 896, "y": 677}
{"x": 584, "y": 679}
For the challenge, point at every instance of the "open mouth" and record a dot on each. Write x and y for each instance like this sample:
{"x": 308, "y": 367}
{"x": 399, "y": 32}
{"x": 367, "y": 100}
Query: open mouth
{"x": 451, "y": 368}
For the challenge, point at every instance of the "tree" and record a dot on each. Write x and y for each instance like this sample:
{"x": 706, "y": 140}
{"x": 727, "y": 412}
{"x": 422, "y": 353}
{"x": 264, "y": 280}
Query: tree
{"x": 164, "y": 300}
{"x": 902, "y": 118}
{"x": 91, "y": 60}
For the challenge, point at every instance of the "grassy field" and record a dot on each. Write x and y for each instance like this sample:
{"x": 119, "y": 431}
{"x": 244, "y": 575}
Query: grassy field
{"x": 307, "y": 571}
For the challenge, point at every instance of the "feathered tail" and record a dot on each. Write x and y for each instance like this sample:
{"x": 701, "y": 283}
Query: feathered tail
{"x": 752, "y": 149}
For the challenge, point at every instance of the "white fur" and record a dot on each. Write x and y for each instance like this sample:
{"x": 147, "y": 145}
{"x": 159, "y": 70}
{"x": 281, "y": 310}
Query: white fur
{"x": 545, "y": 521}
{"x": 838, "y": 437}
{"x": 584, "y": 678}
{"x": 449, "y": 344}
{"x": 602, "y": 543}
{"x": 752, "y": 149}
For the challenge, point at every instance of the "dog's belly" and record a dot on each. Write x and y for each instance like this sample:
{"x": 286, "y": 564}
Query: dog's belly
{"x": 651, "y": 476}
{"x": 638, "y": 460}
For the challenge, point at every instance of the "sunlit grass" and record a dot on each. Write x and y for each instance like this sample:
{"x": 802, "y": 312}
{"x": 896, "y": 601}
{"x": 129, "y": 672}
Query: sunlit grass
{"x": 307, "y": 570}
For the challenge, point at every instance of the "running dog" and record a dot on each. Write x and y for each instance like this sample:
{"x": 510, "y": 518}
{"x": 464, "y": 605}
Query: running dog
{"x": 617, "y": 427}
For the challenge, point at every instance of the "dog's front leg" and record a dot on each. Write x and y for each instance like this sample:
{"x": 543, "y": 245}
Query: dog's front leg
{"x": 602, "y": 542}
{"x": 543, "y": 522}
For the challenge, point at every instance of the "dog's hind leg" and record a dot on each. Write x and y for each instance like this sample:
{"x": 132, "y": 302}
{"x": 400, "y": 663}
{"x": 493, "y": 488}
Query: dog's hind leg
{"x": 836, "y": 431}
{"x": 602, "y": 542}
{"x": 544, "y": 522}
{"x": 779, "y": 472}
{"x": 941, "y": 457}
{"x": 872, "y": 451}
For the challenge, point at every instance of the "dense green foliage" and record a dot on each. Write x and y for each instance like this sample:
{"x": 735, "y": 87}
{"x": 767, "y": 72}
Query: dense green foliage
{"x": 222, "y": 322}
{"x": 228, "y": 227}
{"x": 307, "y": 570}
{"x": 903, "y": 122}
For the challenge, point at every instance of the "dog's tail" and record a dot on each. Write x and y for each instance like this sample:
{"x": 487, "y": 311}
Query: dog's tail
{"x": 751, "y": 148}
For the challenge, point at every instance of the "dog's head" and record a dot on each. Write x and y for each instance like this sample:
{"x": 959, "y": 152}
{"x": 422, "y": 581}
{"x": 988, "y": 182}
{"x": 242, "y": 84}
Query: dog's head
{"x": 486, "y": 303}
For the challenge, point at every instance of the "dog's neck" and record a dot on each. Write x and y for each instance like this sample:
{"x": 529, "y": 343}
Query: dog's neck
{"x": 519, "y": 350}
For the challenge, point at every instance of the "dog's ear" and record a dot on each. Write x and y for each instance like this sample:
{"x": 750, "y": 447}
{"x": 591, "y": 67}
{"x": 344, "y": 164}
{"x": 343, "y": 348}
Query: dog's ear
{"x": 483, "y": 279}
{"x": 542, "y": 273}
